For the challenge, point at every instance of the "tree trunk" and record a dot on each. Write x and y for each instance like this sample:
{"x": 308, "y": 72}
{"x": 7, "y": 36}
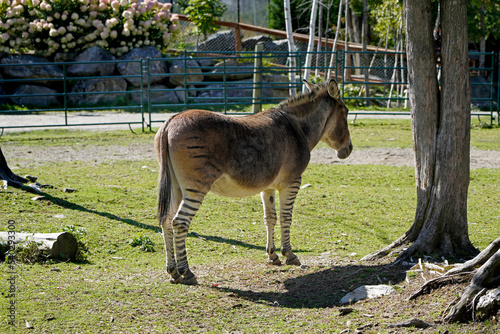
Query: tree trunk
{"x": 291, "y": 46}
{"x": 441, "y": 132}
{"x": 334, "y": 47}
{"x": 364, "y": 39}
{"x": 310, "y": 45}
{"x": 61, "y": 245}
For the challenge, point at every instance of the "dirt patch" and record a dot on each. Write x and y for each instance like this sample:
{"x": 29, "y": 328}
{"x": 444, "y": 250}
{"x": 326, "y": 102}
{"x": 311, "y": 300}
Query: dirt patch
{"x": 26, "y": 156}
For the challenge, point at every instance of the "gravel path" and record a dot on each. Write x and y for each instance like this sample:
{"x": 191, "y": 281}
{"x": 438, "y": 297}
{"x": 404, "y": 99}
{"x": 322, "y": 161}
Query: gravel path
{"x": 28, "y": 156}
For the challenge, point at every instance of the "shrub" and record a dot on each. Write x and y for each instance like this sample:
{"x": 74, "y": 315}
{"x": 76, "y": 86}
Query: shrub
{"x": 46, "y": 27}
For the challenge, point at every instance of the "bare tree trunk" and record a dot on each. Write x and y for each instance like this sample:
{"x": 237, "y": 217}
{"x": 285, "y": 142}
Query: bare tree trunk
{"x": 364, "y": 39}
{"x": 334, "y": 47}
{"x": 320, "y": 37}
{"x": 291, "y": 47}
{"x": 310, "y": 45}
{"x": 441, "y": 132}
{"x": 482, "y": 42}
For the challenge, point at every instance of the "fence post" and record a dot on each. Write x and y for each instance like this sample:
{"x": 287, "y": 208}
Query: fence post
{"x": 257, "y": 79}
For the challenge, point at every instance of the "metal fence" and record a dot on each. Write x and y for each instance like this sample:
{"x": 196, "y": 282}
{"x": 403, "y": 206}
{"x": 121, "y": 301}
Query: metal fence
{"x": 226, "y": 82}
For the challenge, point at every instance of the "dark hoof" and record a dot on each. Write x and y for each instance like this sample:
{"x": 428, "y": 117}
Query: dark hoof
{"x": 177, "y": 280}
{"x": 275, "y": 262}
{"x": 295, "y": 261}
{"x": 190, "y": 281}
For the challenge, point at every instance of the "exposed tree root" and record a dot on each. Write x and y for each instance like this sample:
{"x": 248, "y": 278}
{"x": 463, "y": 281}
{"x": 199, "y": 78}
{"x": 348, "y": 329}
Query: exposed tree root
{"x": 487, "y": 276}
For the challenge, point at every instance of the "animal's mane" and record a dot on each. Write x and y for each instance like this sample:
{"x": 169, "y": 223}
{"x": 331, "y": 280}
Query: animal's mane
{"x": 302, "y": 98}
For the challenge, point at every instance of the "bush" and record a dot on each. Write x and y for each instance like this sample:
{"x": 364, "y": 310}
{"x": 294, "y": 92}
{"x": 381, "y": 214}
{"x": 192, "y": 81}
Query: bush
{"x": 45, "y": 27}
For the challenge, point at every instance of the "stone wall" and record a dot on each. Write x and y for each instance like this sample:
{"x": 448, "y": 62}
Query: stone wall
{"x": 96, "y": 78}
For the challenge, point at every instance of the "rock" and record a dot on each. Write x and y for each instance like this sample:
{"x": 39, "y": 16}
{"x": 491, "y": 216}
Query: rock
{"x": 24, "y": 71}
{"x": 97, "y": 85}
{"x": 49, "y": 97}
{"x": 69, "y": 190}
{"x": 134, "y": 68}
{"x": 190, "y": 92}
{"x": 2, "y": 92}
{"x": 488, "y": 304}
{"x": 249, "y": 43}
{"x": 206, "y": 64}
{"x": 159, "y": 94}
{"x": 235, "y": 89}
{"x": 233, "y": 69}
{"x": 366, "y": 292}
{"x": 62, "y": 57}
{"x": 280, "y": 89}
{"x": 89, "y": 68}
{"x": 190, "y": 67}
{"x": 221, "y": 41}
{"x": 280, "y": 46}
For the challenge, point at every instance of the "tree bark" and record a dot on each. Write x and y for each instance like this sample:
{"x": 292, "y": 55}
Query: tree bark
{"x": 291, "y": 47}
{"x": 441, "y": 132}
{"x": 310, "y": 45}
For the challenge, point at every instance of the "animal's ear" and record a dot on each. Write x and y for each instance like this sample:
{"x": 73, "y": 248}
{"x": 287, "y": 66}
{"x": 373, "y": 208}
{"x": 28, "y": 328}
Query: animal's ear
{"x": 333, "y": 89}
{"x": 308, "y": 84}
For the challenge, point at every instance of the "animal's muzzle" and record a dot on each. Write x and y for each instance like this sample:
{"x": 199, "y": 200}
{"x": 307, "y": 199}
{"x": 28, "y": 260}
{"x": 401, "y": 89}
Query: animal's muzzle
{"x": 344, "y": 152}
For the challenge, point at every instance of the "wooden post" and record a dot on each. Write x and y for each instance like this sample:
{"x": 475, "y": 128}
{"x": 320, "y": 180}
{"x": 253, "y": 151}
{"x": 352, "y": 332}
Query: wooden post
{"x": 257, "y": 79}
{"x": 237, "y": 38}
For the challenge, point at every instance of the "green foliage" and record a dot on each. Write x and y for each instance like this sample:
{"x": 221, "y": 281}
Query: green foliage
{"x": 30, "y": 253}
{"x": 388, "y": 16}
{"x": 74, "y": 25}
{"x": 203, "y": 14}
{"x": 491, "y": 16}
{"x": 80, "y": 234}
{"x": 144, "y": 243}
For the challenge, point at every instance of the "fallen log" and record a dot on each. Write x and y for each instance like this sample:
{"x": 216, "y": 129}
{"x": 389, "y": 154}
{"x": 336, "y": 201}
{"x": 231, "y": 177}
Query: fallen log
{"x": 61, "y": 245}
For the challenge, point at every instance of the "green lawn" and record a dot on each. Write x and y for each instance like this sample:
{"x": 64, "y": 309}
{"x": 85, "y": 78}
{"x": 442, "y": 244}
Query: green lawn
{"x": 346, "y": 213}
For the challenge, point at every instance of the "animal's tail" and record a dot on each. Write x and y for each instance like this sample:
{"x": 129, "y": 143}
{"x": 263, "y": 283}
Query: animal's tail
{"x": 164, "y": 179}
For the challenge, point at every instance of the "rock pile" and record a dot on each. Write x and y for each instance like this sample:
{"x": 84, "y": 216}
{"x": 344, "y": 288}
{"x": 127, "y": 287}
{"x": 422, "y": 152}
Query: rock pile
{"x": 96, "y": 78}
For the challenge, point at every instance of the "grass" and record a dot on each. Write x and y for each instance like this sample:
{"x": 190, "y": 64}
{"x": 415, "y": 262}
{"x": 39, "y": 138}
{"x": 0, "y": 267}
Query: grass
{"x": 347, "y": 212}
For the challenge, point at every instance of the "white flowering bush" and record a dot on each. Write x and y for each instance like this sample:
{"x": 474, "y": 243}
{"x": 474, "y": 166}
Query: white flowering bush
{"x": 45, "y": 27}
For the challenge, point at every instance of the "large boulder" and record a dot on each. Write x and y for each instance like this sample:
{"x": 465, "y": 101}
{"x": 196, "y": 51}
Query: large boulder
{"x": 132, "y": 70}
{"x": 2, "y": 92}
{"x": 248, "y": 44}
{"x": 42, "y": 96}
{"x": 221, "y": 41}
{"x": 116, "y": 85}
{"x": 19, "y": 67}
{"x": 182, "y": 93}
{"x": 243, "y": 89}
{"x": 158, "y": 94}
{"x": 92, "y": 64}
{"x": 188, "y": 66}
{"x": 233, "y": 71}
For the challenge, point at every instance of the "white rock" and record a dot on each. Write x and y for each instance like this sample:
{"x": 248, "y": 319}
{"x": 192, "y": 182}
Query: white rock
{"x": 366, "y": 292}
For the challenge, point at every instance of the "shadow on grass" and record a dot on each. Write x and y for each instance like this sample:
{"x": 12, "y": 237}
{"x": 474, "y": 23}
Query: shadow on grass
{"x": 72, "y": 206}
{"x": 325, "y": 288}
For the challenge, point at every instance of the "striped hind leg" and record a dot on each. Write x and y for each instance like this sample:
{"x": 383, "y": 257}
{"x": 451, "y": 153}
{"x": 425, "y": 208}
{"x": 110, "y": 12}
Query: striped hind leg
{"x": 268, "y": 201}
{"x": 189, "y": 205}
{"x": 287, "y": 199}
{"x": 168, "y": 232}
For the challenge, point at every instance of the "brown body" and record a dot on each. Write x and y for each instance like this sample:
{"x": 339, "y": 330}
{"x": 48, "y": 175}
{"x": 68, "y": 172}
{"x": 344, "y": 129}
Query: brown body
{"x": 200, "y": 151}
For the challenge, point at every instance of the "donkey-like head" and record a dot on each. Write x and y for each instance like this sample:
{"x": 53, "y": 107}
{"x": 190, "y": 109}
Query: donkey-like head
{"x": 336, "y": 133}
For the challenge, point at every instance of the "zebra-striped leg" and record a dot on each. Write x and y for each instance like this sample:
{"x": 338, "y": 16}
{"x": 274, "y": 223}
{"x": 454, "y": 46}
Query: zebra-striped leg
{"x": 168, "y": 237}
{"x": 268, "y": 201}
{"x": 287, "y": 199}
{"x": 189, "y": 206}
